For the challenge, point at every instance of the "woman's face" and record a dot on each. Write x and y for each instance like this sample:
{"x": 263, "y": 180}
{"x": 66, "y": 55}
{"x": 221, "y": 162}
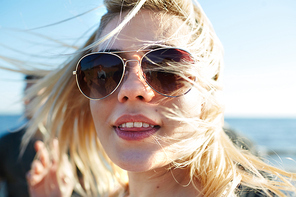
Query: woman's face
{"x": 130, "y": 123}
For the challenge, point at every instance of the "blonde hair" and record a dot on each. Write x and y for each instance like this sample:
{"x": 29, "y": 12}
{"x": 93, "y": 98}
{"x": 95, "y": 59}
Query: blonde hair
{"x": 212, "y": 158}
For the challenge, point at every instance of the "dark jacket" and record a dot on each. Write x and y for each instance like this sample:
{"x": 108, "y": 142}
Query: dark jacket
{"x": 13, "y": 168}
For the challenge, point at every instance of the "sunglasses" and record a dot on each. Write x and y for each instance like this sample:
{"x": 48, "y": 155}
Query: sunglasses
{"x": 99, "y": 74}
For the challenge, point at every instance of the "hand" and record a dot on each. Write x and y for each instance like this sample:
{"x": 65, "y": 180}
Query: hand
{"x": 43, "y": 177}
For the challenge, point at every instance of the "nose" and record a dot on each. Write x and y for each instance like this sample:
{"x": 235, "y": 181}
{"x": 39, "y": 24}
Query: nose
{"x": 134, "y": 87}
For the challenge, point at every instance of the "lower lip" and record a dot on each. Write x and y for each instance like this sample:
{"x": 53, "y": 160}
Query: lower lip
{"x": 135, "y": 134}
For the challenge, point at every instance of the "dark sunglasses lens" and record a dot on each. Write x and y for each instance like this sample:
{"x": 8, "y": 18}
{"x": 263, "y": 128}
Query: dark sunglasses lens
{"x": 99, "y": 74}
{"x": 159, "y": 68}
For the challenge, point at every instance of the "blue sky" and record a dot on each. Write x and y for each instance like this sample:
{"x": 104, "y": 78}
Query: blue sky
{"x": 259, "y": 38}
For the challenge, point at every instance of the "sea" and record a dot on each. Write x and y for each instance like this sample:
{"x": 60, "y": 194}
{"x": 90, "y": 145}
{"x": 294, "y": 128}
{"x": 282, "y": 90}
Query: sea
{"x": 274, "y": 138}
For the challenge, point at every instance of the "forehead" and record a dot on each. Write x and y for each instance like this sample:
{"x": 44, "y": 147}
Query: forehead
{"x": 146, "y": 28}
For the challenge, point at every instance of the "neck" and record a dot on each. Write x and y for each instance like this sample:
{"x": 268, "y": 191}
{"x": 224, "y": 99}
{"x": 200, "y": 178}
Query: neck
{"x": 161, "y": 183}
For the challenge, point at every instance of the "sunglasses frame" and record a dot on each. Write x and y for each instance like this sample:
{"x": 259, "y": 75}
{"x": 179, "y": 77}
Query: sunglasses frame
{"x": 124, "y": 62}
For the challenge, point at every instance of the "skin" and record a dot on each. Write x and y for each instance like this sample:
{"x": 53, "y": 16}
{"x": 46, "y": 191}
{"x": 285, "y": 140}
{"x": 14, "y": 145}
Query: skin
{"x": 43, "y": 176}
{"x": 143, "y": 158}
{"x": 147, "y": 159}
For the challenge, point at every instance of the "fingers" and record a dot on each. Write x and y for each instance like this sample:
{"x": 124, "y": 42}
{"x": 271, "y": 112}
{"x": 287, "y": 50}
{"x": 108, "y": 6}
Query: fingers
{"x": 55, "y": 152}
{"x": 44, "y": 176}
{"x": 45, "y": 157}
{"x": 67, "y": 170}
{"x": 39, "y": 167}
{"x": 42, "y": 154}
{"x": 45, "y": 164}
{"x": 36, "y": 174}
{"x": 67, "y": 178}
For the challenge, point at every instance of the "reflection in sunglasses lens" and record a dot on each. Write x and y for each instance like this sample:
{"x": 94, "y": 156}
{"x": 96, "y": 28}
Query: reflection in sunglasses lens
{"x": 99, "y": 74}
{"x": 158, "y": 67}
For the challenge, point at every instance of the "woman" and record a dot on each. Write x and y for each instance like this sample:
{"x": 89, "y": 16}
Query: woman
{"x": 154, "y": 127}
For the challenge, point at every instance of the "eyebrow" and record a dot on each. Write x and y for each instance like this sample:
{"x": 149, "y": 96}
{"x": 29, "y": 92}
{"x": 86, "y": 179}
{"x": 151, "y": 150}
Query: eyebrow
{"x": 110, "y": 50}
{"x": 159, "y": 46}
{"x": 151, "y": 47}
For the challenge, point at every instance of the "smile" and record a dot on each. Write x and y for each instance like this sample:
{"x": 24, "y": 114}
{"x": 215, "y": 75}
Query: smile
{"x": 135, "y": 124}
{"x": 135, "y": 127}
{"x": 135, "y": 133}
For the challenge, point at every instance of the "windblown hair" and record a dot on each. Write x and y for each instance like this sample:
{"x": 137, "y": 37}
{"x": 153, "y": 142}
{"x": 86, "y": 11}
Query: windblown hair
{"x": 213, "y": 160}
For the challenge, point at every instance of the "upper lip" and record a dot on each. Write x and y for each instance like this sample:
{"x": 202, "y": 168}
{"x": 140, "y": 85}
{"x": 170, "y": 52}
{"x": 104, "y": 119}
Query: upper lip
{"x": 133, "y": 118}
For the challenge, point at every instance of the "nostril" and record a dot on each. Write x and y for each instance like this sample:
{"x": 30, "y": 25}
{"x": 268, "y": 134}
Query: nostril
{"x": 140, "y": 97}
{"x": 134, "y": 88}
{"x": 125, "y": 98}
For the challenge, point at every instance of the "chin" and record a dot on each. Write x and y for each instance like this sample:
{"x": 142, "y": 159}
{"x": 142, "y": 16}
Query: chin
{"x": 140, "y": 162}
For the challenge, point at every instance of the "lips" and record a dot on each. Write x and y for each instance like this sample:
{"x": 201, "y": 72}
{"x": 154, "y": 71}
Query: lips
{"x": 135, "y": 127}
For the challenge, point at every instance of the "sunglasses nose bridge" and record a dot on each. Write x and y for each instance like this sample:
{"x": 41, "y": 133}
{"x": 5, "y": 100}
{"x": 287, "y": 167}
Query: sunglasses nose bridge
{"x": 127, "y": 61}
{"x": 131, "y": 66}
{"x": 134, "y": 68}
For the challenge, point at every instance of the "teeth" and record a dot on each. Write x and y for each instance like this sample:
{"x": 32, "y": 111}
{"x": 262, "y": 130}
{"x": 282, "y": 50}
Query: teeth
{"x": 135, "y": 124}
{"x": 129, "y": 124}
{"x": 145, "y": 125}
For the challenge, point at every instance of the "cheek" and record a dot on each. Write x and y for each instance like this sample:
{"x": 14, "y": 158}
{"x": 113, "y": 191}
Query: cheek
{"x": 93, "y": 109}
{"x": 191, "y": 103}
{"x": 189, "y": 106}
{"x": 99, "y": 113}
